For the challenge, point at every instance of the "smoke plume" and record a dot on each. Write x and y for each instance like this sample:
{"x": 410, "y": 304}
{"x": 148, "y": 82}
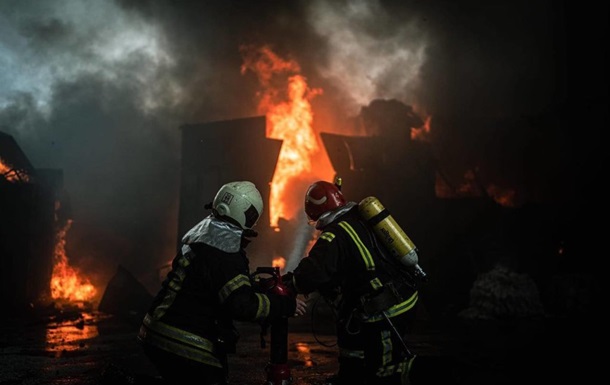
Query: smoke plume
{"x": 99, "y": 89}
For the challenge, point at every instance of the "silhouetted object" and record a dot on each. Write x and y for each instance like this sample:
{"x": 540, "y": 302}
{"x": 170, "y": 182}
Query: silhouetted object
{"x": 28, "y": 225}
{"x": 125, "y": 296}
{"x": 14, "y": 158}
{"x": 503, "y": 294}
{"x": 390, "y": 118}
{"x": 218, "y": 152}
{"x": 404, "y": 169}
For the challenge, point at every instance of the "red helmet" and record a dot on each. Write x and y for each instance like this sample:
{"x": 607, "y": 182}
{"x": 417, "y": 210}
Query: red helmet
{"x": 322, "y": 197}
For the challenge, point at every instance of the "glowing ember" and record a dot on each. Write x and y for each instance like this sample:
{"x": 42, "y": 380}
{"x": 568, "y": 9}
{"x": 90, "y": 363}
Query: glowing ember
{"x": 65, "y": 283}
{"x": 504, "y": 197}
{"x": 11, "y": 174}
{"x": 285, "y": 100}
{"x": 472, "y": 187}
{"x": 305, "y": 353}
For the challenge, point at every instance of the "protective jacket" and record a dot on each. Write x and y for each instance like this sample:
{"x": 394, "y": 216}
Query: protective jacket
{"x": 347, "y": 257}
{"x": 346, "y": 260}
{"x": 208, "y": 287}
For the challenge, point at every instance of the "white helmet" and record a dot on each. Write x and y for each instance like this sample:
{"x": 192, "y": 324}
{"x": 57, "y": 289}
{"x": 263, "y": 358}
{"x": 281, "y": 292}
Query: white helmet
{"x": 240, "y": 201}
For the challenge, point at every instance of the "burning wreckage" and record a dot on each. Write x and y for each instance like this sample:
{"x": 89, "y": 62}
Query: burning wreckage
{"x": 35, "y": 216}
{"x": 470, "y": 245}
{"x": 460, "y": 237}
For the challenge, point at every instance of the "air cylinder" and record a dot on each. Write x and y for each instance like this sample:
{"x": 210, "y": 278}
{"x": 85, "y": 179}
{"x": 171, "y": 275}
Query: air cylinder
{"x": 389, "y": 232}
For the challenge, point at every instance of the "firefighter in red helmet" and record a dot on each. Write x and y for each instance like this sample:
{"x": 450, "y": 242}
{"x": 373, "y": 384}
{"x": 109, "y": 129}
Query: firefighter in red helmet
{"x": 375, "y": 300}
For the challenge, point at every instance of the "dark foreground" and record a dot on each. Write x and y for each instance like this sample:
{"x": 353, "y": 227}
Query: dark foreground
{"x": 75, "y": 347}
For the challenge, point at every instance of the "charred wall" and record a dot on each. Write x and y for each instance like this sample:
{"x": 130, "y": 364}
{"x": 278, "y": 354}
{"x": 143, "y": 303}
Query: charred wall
{"x": 218, "y": 152}
{"x": 27, "y": 227}
{"x": 461, "y": 237}
{"x": 401, "y": 174}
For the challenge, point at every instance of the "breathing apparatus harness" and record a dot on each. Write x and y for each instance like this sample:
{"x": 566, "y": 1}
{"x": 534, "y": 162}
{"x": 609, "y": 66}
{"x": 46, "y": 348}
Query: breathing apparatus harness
{"x": 397, "y": 252}
{"x": 402, "y": 277}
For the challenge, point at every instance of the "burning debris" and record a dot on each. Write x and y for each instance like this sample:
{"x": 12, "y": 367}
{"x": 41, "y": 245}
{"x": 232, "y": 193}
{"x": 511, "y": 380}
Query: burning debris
{"x": 15, "y": 167}
{"x": 26, "y": 227}
{"x": 473, "y": 186}
{"x": 12, "y": 174}
{"x": 33, "y": 226}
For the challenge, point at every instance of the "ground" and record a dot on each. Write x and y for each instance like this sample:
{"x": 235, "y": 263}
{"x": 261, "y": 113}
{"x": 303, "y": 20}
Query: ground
{"x": 74, "y": 347}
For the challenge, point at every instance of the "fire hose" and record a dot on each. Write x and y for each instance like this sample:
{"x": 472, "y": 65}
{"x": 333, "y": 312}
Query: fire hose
{"x": 277, "y": 370}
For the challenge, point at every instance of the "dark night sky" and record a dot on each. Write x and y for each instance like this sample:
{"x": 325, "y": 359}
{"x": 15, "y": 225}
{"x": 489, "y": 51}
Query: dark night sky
{"x": 99, "y": 89}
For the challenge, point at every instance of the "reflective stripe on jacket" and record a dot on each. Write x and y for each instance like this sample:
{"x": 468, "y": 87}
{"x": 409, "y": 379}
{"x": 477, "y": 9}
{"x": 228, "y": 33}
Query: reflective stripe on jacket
{"x": 344, "y": 256}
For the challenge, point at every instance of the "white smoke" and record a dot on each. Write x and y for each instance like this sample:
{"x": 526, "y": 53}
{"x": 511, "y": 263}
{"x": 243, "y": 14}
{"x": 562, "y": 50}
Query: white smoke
{"x": 87, "y": 87}
{"x": 42, "y": 43}
{"x": 98, "y": 88}
{"x": 370, "y": 56}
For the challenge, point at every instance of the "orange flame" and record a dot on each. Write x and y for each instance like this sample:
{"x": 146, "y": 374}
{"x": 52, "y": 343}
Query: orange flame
{"x": 304, "y": 352}
{"x": 285, "y": 100}
{"x": 65, "y": 282}
{"x": 503, "y": 197}
{"x": 469, "y": 186}
{"x": 422, "y": 133}
{"x": 279, "y": 262}
{"x": 472, "y": 187}
{"x": 66, "y": 335}
{"x": 11, "y": 174}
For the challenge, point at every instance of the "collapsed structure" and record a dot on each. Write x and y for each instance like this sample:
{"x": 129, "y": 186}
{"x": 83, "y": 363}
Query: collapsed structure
{"x": 458, "y": 239}
{"x": 30, "y": 210}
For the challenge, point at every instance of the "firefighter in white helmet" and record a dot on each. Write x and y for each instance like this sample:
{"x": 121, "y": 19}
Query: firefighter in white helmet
{"x": 374, "y": 294}
{"x": 188, "y": 330}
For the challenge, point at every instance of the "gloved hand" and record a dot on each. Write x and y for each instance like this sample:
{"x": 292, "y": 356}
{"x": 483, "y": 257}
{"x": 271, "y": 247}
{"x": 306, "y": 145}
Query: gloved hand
{"x": 301, "y": 307}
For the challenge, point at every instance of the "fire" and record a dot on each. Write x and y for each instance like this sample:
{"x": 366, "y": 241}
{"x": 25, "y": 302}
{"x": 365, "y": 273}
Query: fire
{"x": 65, "y": 283}
{"x": 11, "y": 174}
{"x": 473, "y": 187}
{"x": 285, "y": 100}
{"x": 304, "y": 352}
{"x": 66, "y": 335}
{"x": 470, "y": 185}
{"x": 5, "y": 170}
{"x": 422, "y": 133}
{"x": 279, "y": 262}
{"x": 504, "y": 197}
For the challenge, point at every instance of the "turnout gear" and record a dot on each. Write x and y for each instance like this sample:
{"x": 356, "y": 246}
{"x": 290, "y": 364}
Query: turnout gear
{"x": 188, "y": 330}
{"x": 377, "y": 298}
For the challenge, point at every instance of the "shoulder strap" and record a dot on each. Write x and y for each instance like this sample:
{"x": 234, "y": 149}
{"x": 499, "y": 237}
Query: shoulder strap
{"x": 394, "y": 268}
